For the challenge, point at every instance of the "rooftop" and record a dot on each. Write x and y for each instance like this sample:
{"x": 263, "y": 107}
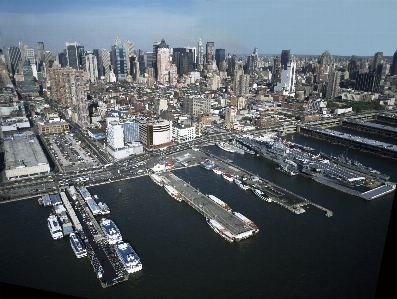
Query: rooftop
{"x": 23, "y": 153}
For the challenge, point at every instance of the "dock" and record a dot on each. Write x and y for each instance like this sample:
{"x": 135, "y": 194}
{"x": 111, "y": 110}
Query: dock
{"x": 369, "y": 127}
{"x": 378, "y": 192}
{"x": 208, "y": 208}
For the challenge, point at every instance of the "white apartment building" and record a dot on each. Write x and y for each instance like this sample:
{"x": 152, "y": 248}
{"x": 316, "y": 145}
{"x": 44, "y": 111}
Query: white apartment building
{"x": 287, "y": 84}
{"x": 115, "y": 135}
{"x": 183, "y": 133}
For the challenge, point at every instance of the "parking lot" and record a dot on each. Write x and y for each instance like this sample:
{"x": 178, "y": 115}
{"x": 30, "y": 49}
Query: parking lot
{"x": 70, "y": 152}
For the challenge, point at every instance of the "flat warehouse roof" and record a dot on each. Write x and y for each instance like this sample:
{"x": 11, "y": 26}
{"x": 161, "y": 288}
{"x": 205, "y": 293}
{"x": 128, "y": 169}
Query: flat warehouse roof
{"x": 21, "y": 152}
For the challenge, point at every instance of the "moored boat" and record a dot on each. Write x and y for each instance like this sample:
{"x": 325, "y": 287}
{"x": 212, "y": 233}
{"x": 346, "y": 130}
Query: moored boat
{"x": 246, "y": 221}
{"x": 54, "y": 227}
{"x": 241, "y": 184}
{"x": 77, "y": 246}
{"x": 157, "y": 179}
{"x": 227, "y": 176}
{"x": 173, "y": 192}
{"x": 217, "y": 170}
{"x": 220, "y": 202}
{"x": 261, "y": 195}
{"x": 128, "y": 257}
{"x": 225, "y": 146}
{"x": 220, "y": 230}
{"x": 111, "y": 231}
{"x": 104, "y": 208}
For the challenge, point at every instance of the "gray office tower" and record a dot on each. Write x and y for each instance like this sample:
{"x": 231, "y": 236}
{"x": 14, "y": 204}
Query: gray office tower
{"x": 40, "y": 52}
{"x": 219, "y": 56}
{"x": 285, "y": 58}
{"x": 377, "y": 61}
{"x": 209, "y": 55}
{"x": 13, "y": 56}
{"x": 72, "y": 55}
{"x": 184, "y": 60}
{"x": 131, "y": 132}
{"x": 393, "y": 67}
{"x": 97, "y": 54}
{"x": 119, "y": 62}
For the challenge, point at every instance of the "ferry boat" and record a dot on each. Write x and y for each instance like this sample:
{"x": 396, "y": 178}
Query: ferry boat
{"x": 104, "y": 208}
{"x": 157, "y": 179}
{"x": 225, "y": 146}
{"x": 128, "y": 257}
{"x": 55, "y": 227}
{"x": 220, "y": 202}
{"x": 173, "y": 192}
{"x": 246, "y": 221}
{"x": 261, "y": 195}
{"x": 111, "y": 231}
{"x": 220, "y": 230}
{"x": 227, "y": 176}
{"x": 241, "y": 184}
{"x": 77, "y": 246}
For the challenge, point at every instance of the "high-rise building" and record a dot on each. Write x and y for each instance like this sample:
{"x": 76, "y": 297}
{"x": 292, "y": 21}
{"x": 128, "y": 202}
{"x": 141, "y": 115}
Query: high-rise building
{"x": 98, "y": 56}
{"x": 131, "y": 131}
{"x": 184, "y": 60}
{"x": 119, "y": 61}
{"x": 89, "y": 65}
{"x": 276, "y": 70}
{"x": 231, "y": 64}
{"x": 196, "y": 105}
{"x": 115, "y": 135}
{"x": 163, "y": 62}
{"x": 376, "y": 61}
{"x": 240, "y": 81}
{"x": 81, "y": 100}
{"x": 62, "y": 59}
{"x": 209, "y": 54}
{"x": 333, "y": 84}
{"x": 129, "y": 51}
{"x": 219, "y": 56}
{"x": 160, "y": 104}
{"x": 325, "y": 59}
{"x": 393, "y": 67}
{"x": 40, "y": 52}
{"x": 368, "y": 82}
{"x": 285, "y": 58}
{"x": 72, "y": 55}
{"x": 13, "y": 57}
{"x": 230, "y": 116}
{"x": 155, "y": 134}
{"x": 29, "y": 85}
{"x": 105, "y": 66}
{"x": 200, "y": 52}
{"x": 287, "y": 84}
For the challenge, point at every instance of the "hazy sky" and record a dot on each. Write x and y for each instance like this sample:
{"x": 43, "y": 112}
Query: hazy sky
{"x": 345, "y": 27}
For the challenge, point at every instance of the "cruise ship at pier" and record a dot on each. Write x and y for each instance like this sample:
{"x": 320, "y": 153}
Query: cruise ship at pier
{"x": 173, "y": 192}
{"x": 220, "y": 230}
{"x": 77, "y": 246}
{"x": 220, "y": 202}
{"x": 246, "y": 221}
{"x": 111, "y": 231}
{"x": 157, "y": 179}
{"x": 54, "y": 227}
{"x": 128, "y": 257}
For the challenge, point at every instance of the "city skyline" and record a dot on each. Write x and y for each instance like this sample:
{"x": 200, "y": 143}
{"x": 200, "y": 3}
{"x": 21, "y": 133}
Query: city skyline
{"x": 305, "y": 27}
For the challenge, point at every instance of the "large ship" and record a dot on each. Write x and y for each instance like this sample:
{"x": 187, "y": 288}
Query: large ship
{"x": 173, "y": 192}
{"x": 157, "y": 179}
{"x": 220, "y": 202}
{"x": 55, "y": 227}
{"x": 77, "y": 246}
{"x": 104, "y": 208}
{"x": 227, "y": 176}
{"x": 220, "y": 230}
{"x": 111, "y": 231}
{"x": 128, "y": 257}
{"x": 246, "y": 221}
{"x": 261, "y": 195}
{"x": 241, "y": 184}
{"x": 225, "y": 146}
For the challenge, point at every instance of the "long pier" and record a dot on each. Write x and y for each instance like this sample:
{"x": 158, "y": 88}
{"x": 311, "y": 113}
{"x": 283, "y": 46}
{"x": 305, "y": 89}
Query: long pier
{"x": 208, "y": 208}
{"x": 370, "y": 127}
{"x": 388, "y": 118}
{"x": 364, "y": 144}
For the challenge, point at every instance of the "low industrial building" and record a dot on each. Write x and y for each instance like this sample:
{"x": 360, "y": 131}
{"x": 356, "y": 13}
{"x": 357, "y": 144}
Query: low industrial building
{"x": 24, "y": 157}
{"x": 53, "y": 127}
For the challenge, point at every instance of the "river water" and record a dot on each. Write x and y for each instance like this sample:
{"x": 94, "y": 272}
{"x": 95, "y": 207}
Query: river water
{"x": 292, "y": 256}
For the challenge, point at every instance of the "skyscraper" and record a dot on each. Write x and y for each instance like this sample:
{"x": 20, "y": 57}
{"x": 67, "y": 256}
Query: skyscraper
{"x": 90, "y": 65}
{"x": 285, "y": 58}
{"x": 240, "y": 81}
{"x": 333, "y": 85}
{"x": 393, "y": 67}
{"x": 200, "y": 52}
{"x": 81, "y": 100}
{"x": 105, "y": 63}
{"x": 209, "y": 54}
{"x": 287, "y": 84}
{"x": 40, "y": 52}
{"x": 13, "y": 57}
{"x": 72, "y": 55}
{"x": 119, "y": 61}
{"x": 129, "y": 51}
{"x": 163, "y": 62}
{"x": 184, "y": 60}
{"x": 376, "y": 61}
{"x": 219, "y": 56}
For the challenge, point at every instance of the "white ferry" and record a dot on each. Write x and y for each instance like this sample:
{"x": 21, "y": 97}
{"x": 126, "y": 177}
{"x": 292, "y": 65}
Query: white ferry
{"x": 77, "y": 246}
{"x": 246, "y": 221}
{"x": 241, "y": 184}
{"x": 227, "y": 176}
{"x": 157, "y": 179}
{"x": 217, "y": 170}
{"x": 173, "y": 192}
{"x": 220, "y": 202}
{"x": 128, "y": 257}
{"x": 55, "y": 227}
{"x": 104, "y": 208}
{"x": 220, "y": 230}
{"x": 111, "y": 231}
{"x": 225, "y": 146}
{"x": 261, "y": 195}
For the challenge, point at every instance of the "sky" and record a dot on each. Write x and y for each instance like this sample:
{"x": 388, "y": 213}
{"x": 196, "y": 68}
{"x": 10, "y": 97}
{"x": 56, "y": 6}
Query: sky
{"x": 348, "y": 27}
